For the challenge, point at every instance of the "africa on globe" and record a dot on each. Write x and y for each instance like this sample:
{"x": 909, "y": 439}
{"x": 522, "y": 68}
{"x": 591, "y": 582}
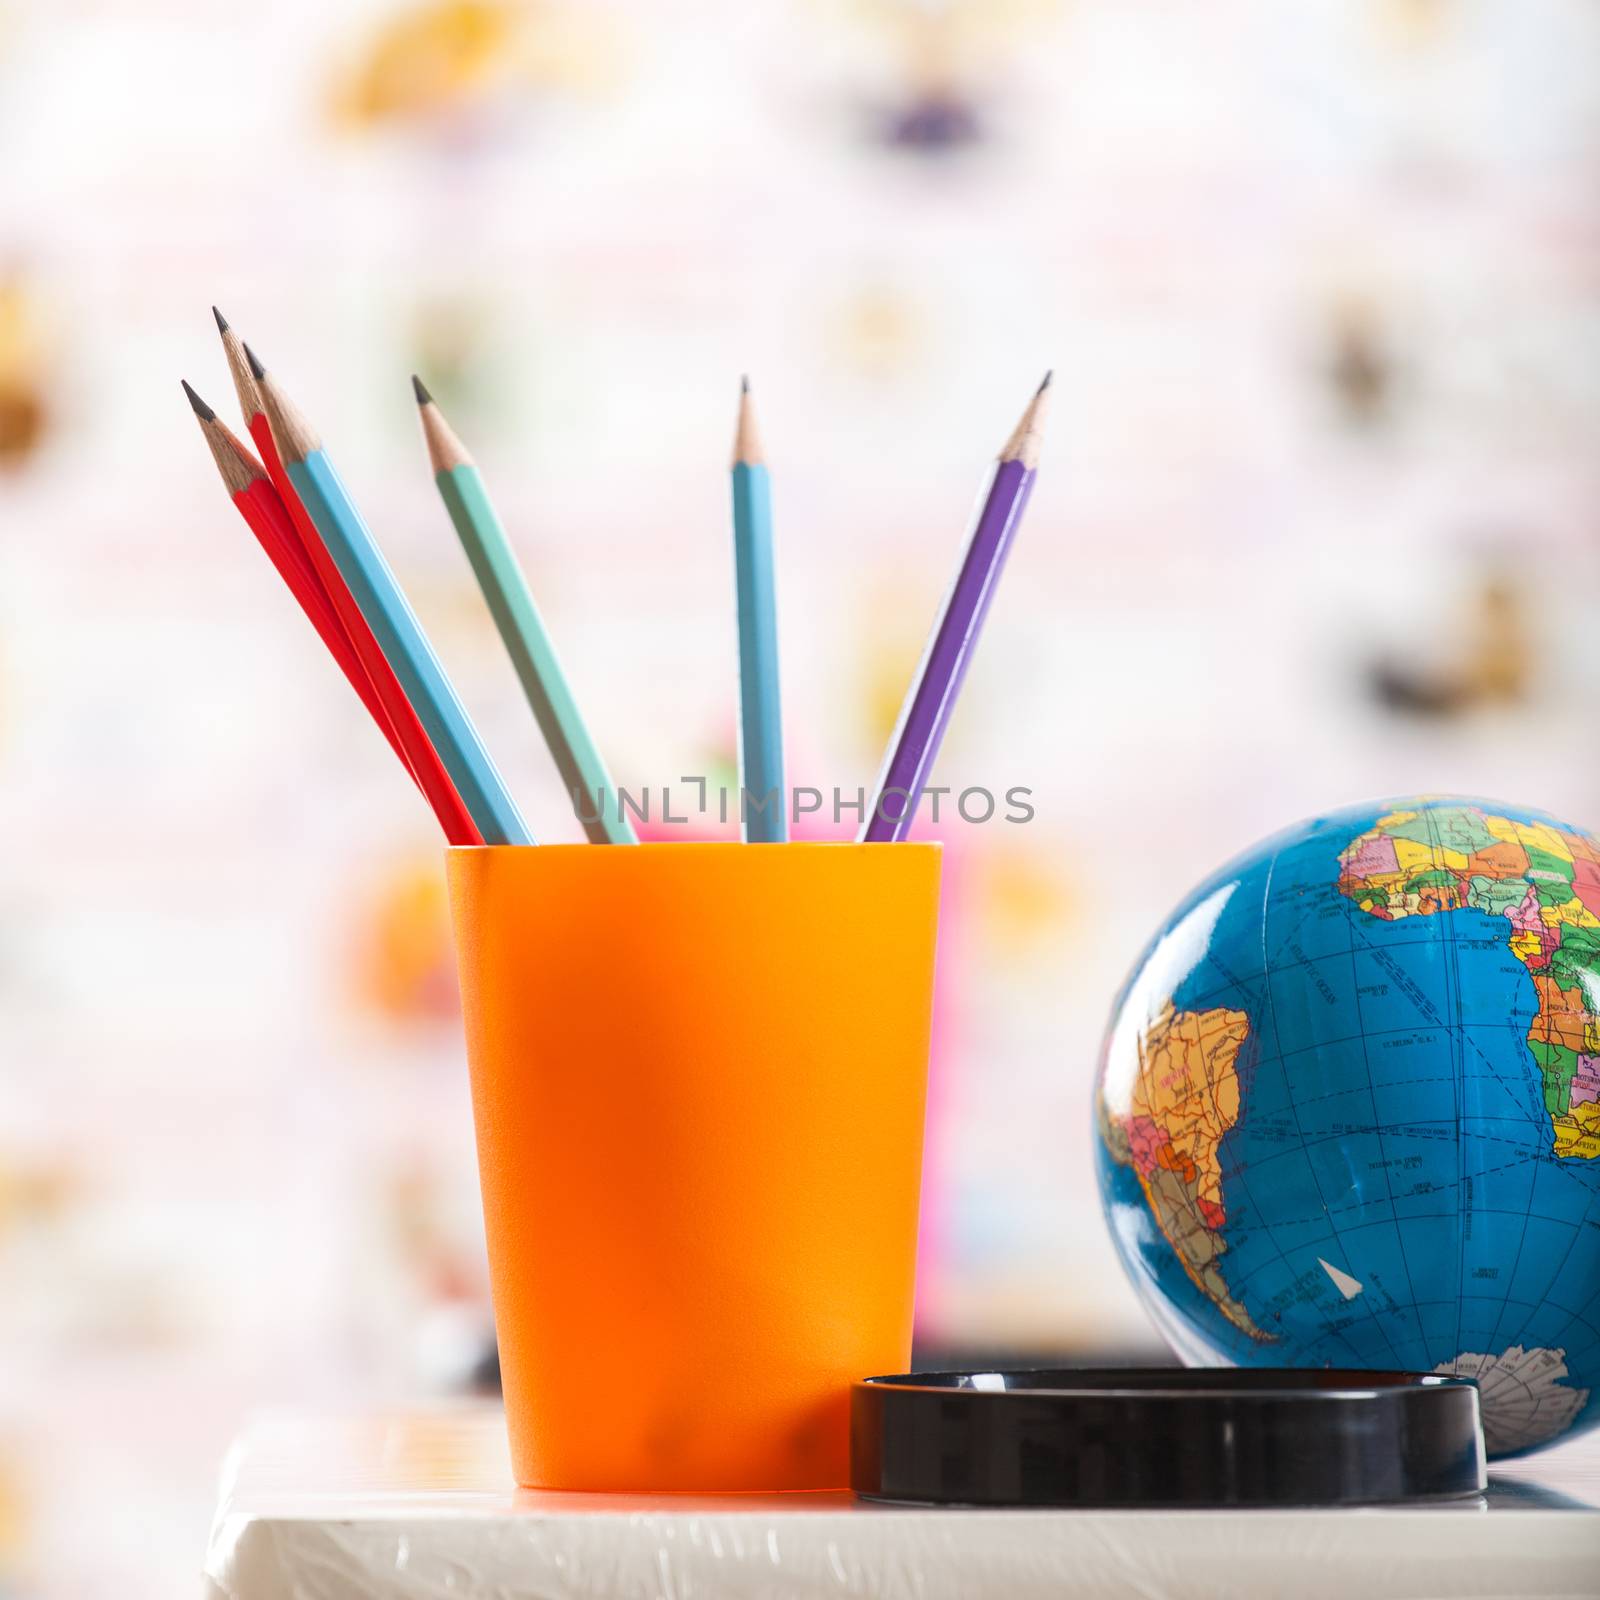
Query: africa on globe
{"x": 1348, "y": 1108}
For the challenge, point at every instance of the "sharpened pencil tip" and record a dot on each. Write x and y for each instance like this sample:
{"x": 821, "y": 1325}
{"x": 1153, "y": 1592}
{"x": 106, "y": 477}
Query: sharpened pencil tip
{"x": 420, "y": 389}
{"x": 201, "y": 409}
{"x": 747, "y": 437}
{"x": 1047, "y": 377}
{"x": 222, "y": 321}
{"x": 257, "y": 371}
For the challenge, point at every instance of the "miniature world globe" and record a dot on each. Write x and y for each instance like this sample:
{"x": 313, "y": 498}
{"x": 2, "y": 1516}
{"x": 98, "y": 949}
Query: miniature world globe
{"x": 1348, "y": 1109}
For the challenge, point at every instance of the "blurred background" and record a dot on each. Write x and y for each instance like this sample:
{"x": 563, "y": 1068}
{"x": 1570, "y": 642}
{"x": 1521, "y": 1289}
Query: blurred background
{"x": 1318, "y": 521}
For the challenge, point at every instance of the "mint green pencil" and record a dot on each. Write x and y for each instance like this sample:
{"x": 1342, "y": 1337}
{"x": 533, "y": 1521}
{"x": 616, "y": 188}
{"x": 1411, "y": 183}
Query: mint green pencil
{"x": 505, "y": 587}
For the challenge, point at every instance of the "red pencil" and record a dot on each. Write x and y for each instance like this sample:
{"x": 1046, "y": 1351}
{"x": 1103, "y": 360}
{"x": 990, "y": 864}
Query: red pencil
{"x": 264, "y": 510}
{"x": 429, "y": 770}
{"x": 426, "y": 766}
{"x": 255, "y": 419}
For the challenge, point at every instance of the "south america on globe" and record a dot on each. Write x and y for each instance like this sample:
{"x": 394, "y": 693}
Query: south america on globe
{"x": 1348, "y": 1108}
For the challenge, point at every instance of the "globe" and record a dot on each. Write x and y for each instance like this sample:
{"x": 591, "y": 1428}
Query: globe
{"x": 1348, "y": 1109}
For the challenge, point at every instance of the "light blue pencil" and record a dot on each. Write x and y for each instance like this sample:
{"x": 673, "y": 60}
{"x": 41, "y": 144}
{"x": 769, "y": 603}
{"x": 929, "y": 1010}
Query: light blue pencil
{"x": 390, "y": 616}
{"x": 763, "y": 800}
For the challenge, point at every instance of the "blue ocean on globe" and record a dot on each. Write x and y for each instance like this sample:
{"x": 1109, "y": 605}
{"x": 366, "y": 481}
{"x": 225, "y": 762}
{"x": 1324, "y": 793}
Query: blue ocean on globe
{"x": 1348, "y": 1108}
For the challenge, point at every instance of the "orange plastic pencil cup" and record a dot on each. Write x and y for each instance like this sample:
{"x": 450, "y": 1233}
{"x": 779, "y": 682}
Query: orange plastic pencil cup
{"x": 698, "y": 1074}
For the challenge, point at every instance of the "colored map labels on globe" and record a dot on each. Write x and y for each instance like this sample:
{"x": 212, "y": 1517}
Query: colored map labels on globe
{"x": 1545, "y": 882}
{"x": 1185, "y": 1099}
{"x": 1348, "y": 1110}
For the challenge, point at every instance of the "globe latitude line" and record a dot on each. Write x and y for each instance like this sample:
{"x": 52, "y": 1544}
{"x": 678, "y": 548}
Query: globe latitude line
{"x": 1330, "y": 1328}
{"x": 1316, "y": 1181}
{"x": 1498, "y": 1336}
{"x": 1380, "y": 903}
{"x": 1454, "y": 989}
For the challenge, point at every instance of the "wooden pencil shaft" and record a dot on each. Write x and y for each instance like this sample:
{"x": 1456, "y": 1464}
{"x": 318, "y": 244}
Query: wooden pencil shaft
{"x": 260, "y": 504}
{"x": 416, "y": 749}
{"x": 262, "y": 509}
{"x": 936, "y": 685}
{"x": 764, "y": 800}
{"x": 295, "y": 436}
{"x": 237, "y": 468}
{"x": 516, "y": 616}
{"x": 244, "y": 383}
{"x": 389, "y": 613}
{"x": 445, "y": 449}
{"x": 1028, "y": 435}
{"x": 747, "y": 449}
{"x": 952, "y": 641}
{"x": 371, "y": 676}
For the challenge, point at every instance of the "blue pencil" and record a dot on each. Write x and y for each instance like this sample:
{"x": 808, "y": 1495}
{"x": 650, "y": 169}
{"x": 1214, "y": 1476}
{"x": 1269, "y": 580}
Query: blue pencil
{"x": 763, "y": 800}
{"x": 390, "y": 616}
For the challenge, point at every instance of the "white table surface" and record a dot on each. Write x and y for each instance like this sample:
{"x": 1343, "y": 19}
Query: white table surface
{"x": 420, "y": 1506}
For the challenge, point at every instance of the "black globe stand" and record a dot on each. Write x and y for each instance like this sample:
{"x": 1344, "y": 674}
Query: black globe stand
{"x": 1166, "y": 1438}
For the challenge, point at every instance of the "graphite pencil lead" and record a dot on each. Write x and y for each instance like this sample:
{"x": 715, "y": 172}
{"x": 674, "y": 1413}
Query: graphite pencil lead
{"x": 257, "y": 371}
{"x": 744, "y": 383}
{"x": 420, "y": 389}
{"x": 222, "y": 321}
{"x": 1047, "y": 377}
{"x": 201, "y": 409}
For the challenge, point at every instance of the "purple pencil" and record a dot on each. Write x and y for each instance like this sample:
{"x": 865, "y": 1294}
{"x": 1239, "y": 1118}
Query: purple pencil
{"x": 932, "y": 696}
